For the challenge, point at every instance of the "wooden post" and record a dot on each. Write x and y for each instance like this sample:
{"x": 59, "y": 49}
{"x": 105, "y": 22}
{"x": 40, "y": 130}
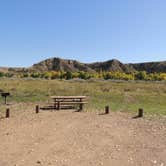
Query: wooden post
{"x": 55, "y": 104}
{"x": 37, "y": 109}
{"x": 7, "y": 113}
{"x": 5, "y": 100}
{"x": 107, "y": 110}
{"x": 58, "y": 105}
{"x": 55, "y": 107}
{"x": 81, "y": 107}
{"x": 140, "y": 112}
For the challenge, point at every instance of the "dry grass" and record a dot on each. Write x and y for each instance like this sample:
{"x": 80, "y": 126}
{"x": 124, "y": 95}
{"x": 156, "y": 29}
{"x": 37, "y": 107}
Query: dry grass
{"x": 121, "y": 96}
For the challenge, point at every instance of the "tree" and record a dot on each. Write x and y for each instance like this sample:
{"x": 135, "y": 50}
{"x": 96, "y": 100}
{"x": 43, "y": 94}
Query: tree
{"x": 141, "y": 75}
{"x": 55, "y": 75}
{"x": 68, "y": 75}
{"x": 2, "y": 74}
{"x": 35, "y": 75}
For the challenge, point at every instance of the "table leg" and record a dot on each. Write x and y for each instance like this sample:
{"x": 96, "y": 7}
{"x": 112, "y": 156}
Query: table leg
{"x": 81, "y": 107}
{"x": 5, "y": 100}
{"x": 58, "y": 105}
{"x": 55, "y": 104}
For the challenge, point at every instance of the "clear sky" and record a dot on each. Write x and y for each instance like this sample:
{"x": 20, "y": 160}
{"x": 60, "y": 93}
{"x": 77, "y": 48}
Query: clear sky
{"x": 85, "y": 30}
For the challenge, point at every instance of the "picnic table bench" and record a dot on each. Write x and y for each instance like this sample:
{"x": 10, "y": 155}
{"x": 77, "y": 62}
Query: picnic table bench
{"x": 67, "y": 102}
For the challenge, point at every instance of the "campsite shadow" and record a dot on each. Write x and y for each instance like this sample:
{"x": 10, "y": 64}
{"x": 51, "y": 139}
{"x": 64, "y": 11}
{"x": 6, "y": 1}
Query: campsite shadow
{"x": 76, "y": 111}
{"x": 2, "y": 118}
{"x": 102, "y": 114}
{"x": 136, "y": 117}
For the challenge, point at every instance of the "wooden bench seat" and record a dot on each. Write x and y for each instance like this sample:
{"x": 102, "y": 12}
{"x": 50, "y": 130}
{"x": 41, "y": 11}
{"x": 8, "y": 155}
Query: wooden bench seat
{"x": 69, "y": 102}
{"x": 50, "y": 107}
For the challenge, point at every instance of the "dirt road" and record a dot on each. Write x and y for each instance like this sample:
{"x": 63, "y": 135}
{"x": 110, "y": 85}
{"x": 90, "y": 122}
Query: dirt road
{"x": 67, "y": 138}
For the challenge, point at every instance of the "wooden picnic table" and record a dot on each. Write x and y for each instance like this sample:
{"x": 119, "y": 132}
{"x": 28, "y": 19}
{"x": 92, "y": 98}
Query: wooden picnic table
{"x": 61, "y": 102}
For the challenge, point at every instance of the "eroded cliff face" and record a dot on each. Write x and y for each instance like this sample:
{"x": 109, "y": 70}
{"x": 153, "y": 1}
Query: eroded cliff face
{"x": 67, "y": 65}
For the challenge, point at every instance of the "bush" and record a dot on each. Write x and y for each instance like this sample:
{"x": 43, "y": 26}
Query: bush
{"x": 2, "y": 74}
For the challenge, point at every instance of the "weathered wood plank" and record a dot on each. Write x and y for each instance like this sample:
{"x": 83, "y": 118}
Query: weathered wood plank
{"x": 68, "y": 97}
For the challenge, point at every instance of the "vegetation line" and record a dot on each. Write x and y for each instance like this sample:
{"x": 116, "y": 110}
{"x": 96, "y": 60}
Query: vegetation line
{"x": 140, "y": 75}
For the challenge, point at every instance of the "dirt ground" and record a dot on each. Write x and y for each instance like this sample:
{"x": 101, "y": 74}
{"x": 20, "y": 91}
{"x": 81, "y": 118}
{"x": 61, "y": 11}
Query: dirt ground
{"x": 68, "y": 138}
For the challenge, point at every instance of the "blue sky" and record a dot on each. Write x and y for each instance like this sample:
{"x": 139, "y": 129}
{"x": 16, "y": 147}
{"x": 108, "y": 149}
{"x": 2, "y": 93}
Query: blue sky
{"x": 85, "y": 30}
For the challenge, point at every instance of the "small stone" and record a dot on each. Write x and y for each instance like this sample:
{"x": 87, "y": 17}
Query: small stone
{"x": 38, "y": 162}
{"x": 130, "y": 159}
{"x": 155, "y": 162}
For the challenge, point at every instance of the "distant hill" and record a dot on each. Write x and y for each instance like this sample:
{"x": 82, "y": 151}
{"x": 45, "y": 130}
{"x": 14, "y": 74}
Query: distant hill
{"x": 4, "y": 69}
{"x": 58, "y": 64}
{"x": 111, "y": 65}
{"x": 150, "y": 67}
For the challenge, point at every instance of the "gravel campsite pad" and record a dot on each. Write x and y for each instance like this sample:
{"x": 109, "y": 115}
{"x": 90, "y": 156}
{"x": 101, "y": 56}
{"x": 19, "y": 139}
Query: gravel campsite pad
{"x": 68, "y": 138}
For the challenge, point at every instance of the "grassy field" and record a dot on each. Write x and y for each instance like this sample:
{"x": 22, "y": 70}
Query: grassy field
{"x": 120, "y": 96}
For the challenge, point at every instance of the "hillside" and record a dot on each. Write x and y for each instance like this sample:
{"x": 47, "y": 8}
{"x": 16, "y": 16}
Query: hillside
{"x": 150, "y": 67}
{"x": 4, "y": 69}
{"x": 111, "y": 65}
{"x": 58, "y": 64}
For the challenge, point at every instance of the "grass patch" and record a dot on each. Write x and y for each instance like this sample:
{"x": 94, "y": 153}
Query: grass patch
{"x": 121, "y": 96}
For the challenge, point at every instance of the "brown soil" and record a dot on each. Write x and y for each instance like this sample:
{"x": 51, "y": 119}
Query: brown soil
{"x": 67, "y": 138}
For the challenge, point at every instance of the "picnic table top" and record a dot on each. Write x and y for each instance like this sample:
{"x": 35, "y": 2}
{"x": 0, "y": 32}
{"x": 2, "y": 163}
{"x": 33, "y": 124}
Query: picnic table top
{"x": 68, "y": 97}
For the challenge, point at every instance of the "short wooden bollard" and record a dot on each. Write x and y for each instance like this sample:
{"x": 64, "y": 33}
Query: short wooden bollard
{"x": 107, "y": 110}
{"x": 7, "y": 113}
{"x": 37, "y": 109}
{"x": 140, "y": 112}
